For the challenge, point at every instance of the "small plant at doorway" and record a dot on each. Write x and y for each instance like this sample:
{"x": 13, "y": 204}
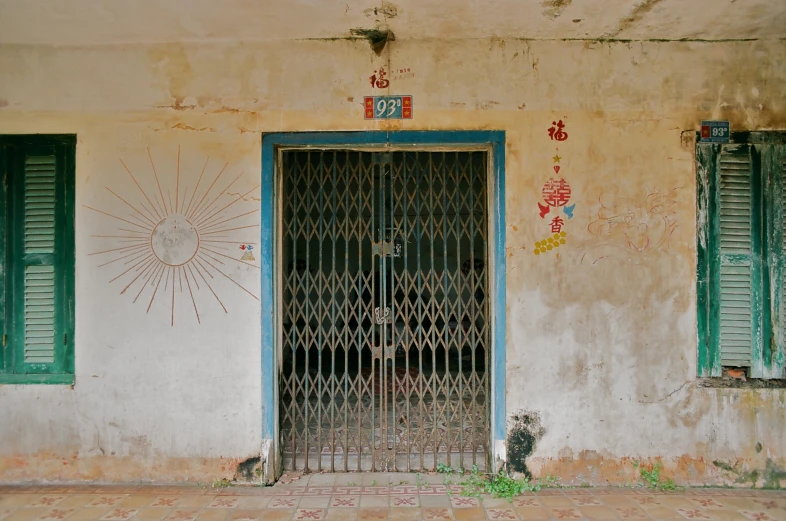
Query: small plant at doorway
{"x": 651, "y": 478}
{"x": 221, "y": 483}
{"x": 497, "y": 485}
{"x": 444, "y": 469}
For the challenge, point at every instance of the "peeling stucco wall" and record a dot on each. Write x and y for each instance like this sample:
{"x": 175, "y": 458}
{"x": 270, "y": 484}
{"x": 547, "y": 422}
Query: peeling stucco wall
{"x": 601, "y": 340}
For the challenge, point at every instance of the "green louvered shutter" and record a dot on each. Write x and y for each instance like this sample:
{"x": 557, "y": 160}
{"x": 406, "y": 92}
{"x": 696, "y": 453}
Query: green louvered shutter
{"x": 41, "y": 260}
{"x": 741, "y": 270}
{"x": 737, "y": 270}
{"x": 39, "y": 253}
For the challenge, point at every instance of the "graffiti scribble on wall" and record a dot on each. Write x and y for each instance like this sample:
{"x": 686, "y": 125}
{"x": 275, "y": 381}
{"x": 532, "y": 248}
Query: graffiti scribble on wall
{"x": 629, "y": 227}
{"x": 177, "y": 245}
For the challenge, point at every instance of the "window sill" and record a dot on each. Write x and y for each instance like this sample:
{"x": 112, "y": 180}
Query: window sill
{"x": 47, "y": 379}
{"x": 726, "y": 382}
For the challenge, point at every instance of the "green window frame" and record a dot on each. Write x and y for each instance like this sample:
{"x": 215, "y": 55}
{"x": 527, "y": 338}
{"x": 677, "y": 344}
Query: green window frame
{"x": 741, "y": 191}
{"x": 37, "y": 266}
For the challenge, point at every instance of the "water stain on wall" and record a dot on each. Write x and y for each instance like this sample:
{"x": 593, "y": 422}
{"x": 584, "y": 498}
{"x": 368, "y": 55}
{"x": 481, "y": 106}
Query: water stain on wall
{"x": 553, "y": 8}
{"x": 171, "y": 63}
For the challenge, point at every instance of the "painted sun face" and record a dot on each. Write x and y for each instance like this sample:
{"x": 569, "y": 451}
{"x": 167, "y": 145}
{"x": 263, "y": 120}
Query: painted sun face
{"x": 175, "y": 241}
{"x": 168, "y": 243}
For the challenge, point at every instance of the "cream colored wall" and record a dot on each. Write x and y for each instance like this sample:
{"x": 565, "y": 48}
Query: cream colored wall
{"x": 601, "y": 333}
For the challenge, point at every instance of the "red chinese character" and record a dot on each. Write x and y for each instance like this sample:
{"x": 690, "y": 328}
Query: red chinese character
{"x": 556, "y": 224}
{"x": 557, "y": 132}
{"x": 556, "y": 192}
{"x": 380, "y": 81}
{"x": 242, "y": 246}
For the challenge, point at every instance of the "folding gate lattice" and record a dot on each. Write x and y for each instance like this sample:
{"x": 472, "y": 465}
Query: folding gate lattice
{"x": 385, "y": 320}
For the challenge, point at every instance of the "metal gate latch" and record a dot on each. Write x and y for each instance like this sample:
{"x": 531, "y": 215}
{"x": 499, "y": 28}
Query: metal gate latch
{"x": 386, "y": 248}
{"x": 382, "y": 318}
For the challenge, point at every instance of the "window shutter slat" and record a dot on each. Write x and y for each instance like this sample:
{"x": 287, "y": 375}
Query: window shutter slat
{"x": 736, "y": 249}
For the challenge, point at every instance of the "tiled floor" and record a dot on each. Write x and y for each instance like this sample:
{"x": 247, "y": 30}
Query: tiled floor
{"x": 376, "y": 497}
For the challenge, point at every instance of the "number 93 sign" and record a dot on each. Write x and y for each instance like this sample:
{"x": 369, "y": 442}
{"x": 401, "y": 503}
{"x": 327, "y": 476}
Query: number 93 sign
{"x": 388, "y": 107}
{"x": 715, "y": 132}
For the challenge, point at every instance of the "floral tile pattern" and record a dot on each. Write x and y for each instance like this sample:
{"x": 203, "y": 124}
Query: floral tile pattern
{"x": 334, "y": 500}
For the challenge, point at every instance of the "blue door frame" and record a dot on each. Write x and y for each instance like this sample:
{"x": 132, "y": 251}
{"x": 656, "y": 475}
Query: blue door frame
{"x": 268, "y": 250}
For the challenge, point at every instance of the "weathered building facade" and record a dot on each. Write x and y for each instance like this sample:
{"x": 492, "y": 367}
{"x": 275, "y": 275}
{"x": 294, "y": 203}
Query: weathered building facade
{"x": 262, "y": 268}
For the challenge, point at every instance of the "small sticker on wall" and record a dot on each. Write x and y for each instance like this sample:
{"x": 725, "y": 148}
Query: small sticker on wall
{"x": 247, "y": 255}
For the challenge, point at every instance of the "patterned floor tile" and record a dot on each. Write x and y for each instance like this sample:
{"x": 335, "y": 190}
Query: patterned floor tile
{"x": 345, "y": 502}
{"x": 283, "y": 502}
{"x": 500, "y": 513}
{"x": 437, "y": 513}
{"x": 526, "y": 502}
{"x": 645, "y": 500}
{"x": 464, "y": 502}
{"x": 46, "y": 501}
{"x": 183, "y": 514}
{"x": 566, "y": 513}
{"x": 309, "y": 513}
{"x": 119, "y": 514}
{"x": 583, "y": 501}
{"x": 108, "y": 501}
{"x": 224, "y": 502}
{"x": 407, "y": 501}
{"x": 165, "y": 502}
{"x": 693, "y": 513}
{"x": 762, "y": 515}
{"x": 631, "y": 513}
{"x": 402, "y": 502}
{"x": 56, "y": 514}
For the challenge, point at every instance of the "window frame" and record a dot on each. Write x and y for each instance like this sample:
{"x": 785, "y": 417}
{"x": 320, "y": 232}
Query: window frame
{"x": 768, "y": 186}
{"x": 13, "y": 151}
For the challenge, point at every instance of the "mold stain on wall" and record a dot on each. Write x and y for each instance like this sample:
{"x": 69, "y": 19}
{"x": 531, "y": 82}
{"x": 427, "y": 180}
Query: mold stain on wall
{"x": 524, "y": 431}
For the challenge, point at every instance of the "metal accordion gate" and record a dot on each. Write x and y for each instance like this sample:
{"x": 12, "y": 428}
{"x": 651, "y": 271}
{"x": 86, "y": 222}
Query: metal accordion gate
{"x": 384, "y": 319}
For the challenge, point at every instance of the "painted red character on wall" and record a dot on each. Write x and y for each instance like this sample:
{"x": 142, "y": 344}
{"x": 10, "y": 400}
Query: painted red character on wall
{"x": 380, "y": 81}
{"x": 556, "y": 132}
{"x": 555, "y": 192}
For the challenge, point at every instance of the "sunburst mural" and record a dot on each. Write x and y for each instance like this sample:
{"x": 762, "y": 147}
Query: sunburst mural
{"x": 177, "y": 246}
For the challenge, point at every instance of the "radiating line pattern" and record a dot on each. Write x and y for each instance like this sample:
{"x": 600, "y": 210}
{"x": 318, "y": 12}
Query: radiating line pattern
{"x": 172, "y": 242}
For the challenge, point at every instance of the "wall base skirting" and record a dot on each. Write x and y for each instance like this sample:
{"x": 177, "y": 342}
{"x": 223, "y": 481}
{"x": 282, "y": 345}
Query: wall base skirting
{"x": 64, "y": 468}
{"x": 590, "y": 469}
